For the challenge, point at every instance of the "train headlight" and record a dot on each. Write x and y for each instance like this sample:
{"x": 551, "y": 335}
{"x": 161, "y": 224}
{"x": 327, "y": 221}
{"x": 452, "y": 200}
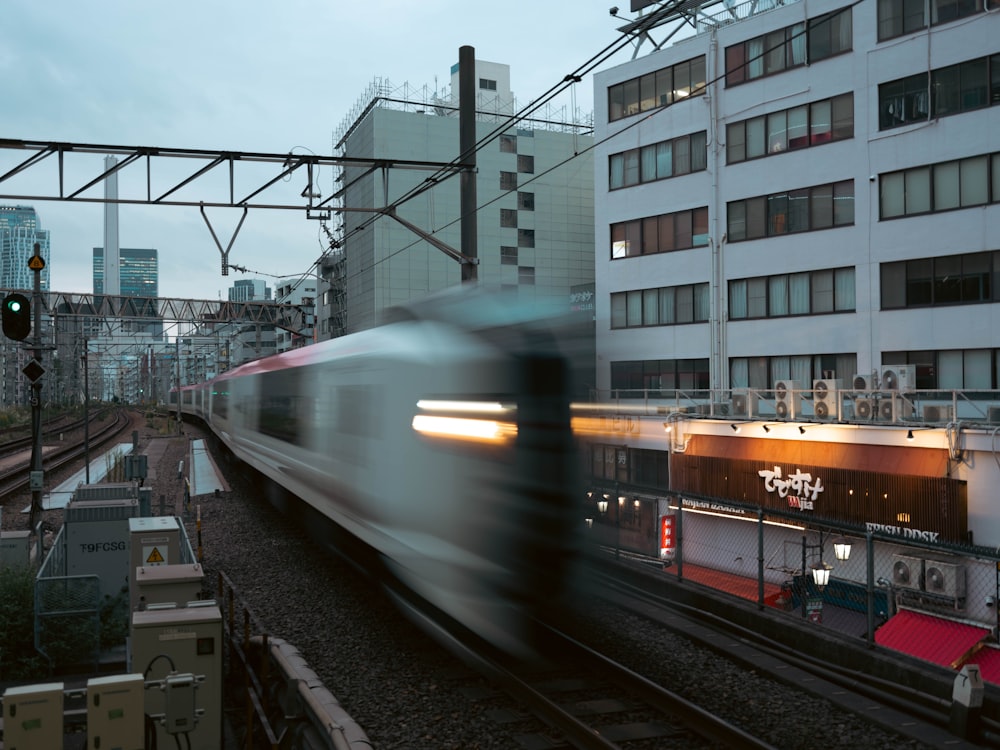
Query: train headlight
{"x": 486, "y": 421}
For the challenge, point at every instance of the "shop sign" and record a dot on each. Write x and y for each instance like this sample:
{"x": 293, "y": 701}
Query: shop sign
{"x": 923, "y": 536}
{"x": 799, "y": 488}
{"x": 668, "y": 542}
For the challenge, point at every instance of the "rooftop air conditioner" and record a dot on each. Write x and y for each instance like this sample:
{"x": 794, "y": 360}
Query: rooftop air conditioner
{"x": 907, "y": 572}
{"x": 861, "y": 383}
{"x": 901, "y": 378}
{"x": 864, "y": 408}
{"x": 939, "y": 413}
{"x": 826, "y": 396}
{"x": 944, "y": 579}
{"x": 786, "y": 398}
{"x": 744, "y": 403}
{"x": 894, "y": 408}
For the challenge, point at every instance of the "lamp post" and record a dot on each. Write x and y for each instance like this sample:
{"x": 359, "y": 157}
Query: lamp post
{"x": 820, "y": 572}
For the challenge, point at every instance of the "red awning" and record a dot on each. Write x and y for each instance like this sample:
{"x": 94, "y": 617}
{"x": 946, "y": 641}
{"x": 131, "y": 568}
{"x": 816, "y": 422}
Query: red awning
{"x": 988, "y": 659}
{"x": 935, "y": 639}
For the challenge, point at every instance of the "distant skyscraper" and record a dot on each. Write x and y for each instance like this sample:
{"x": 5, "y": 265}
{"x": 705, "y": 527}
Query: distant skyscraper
{"x": 20, "y": 229}
{"x": 138, "y": 272}
{"x": 246, "y": 290}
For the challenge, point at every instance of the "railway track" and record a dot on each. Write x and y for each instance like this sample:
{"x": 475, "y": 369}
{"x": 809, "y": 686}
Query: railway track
{"x": 15, "y": 474}
{"x": 584, "y": 699}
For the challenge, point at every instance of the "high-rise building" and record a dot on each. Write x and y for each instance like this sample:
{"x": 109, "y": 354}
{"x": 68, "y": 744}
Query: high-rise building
{"x": 535, "y": 217}
{"x": 798, "y": 220}
{"x": 138, "y": 272}
{"x": 20, "y": 230}
{"x": 247, "y": 290}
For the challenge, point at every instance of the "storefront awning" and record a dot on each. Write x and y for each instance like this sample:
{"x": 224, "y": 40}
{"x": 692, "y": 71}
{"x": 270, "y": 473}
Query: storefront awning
{"x": 988, "y": 659}
{"x": 935, "y": 639}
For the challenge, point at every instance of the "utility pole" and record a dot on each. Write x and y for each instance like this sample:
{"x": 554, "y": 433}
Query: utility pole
{"x": 467, "y": 148}
{"x": 34, "y": 371}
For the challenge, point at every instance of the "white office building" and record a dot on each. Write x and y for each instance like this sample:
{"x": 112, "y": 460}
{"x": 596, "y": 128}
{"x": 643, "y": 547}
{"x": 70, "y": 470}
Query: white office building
{"x": 797, "y": 222}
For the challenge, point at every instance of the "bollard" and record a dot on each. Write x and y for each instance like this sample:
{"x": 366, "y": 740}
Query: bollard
{"x": 967, "y": 703}
{"x": 180, "y": 470}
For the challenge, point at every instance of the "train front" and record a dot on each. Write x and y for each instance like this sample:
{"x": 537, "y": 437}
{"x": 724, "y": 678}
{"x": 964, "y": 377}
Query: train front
{"x": 493, "y": 536}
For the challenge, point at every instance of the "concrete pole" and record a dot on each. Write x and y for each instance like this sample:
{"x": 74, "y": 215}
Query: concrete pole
{"x": 467, "y": 147}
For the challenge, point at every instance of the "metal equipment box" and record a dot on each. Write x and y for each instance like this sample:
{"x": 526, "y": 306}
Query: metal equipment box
{"x": 33, "y": 716}
{"x": 97, "y": 541}
{"x": 104, "y": 491}
{"x": 115, "y": 712}
{"x": 161, "y": 584}
{"x": 168, "y": 641}
{"x": 16, "y": 549}
{"x": 154, "y": 541}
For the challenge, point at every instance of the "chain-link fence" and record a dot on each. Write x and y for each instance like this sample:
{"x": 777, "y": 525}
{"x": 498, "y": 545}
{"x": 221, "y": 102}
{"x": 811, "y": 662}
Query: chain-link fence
{"x": 936, "y": 602}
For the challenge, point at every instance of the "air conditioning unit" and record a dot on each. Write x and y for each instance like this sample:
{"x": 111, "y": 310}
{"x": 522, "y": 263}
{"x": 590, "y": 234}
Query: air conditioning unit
{"x": 826, "y": 396}
{"x": 861, "y": 383}
{"x": 744, "y": 403}
{"x": 895, "y": 408}
{"x": 993, "y": 414}
{"x": 939, "y": 413}
{"x": 907, "y": 572}
{"x": 786, "y": 398}
{"x": 865, "y": 408}
{"x": 901, "y": 378}
{"x": 944, "y": 579}
{"x": 714, "y": 409}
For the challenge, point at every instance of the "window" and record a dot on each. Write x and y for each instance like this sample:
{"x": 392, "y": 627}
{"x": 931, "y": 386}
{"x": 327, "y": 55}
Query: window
{"x": 508, "y": 217}
{"x": 660, "y": 234}
{"x": 943, "y": 11}
{"x": 761, "y": 372}
{"x": 644, "y": 378}
{"x": 662, "y": 306}
{"x": 782, "y": 295}
{"x": 525, "y": 275}
{"x": 525, "y": 164}
{"x": 508, "y": 181}
{"x": 938, "y": 187}
{"x": 786, "y": 48}
{"x": 898, "y": 17}
{"x": 800, "y": 210}
{"x": 525, "y": 237}
{"x": 789, "y": 129}
{"x": 508, "y": 255}
{"x": 656, "y": 89}
{"x": 508, "y": 144}
{"x": 487, "y": 84}
{"x": 658, "y": 161}
{"x": 526, "y": 201}
{"x": 904, "y": 101}
{"x": 945, "y": 280}
{"x": 960, "y": 88}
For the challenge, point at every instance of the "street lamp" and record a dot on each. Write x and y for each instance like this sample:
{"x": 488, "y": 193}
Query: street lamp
{"x": 821, "y": 574}
{"x": 842, "y": 548}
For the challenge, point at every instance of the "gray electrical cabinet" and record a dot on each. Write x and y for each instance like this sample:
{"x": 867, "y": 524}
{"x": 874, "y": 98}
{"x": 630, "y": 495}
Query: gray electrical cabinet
{"x": 168, "y": 643}
{"x": 155, "y": 541}
{"x": 163, "y": 584}
{"x": 97, "y": 541}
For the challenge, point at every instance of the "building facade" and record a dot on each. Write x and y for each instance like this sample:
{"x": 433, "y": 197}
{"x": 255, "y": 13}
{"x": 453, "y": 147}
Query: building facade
{"x": 535, "y": 222}
{"x": 20, "y": 230}
{"x": 798, "y": 245}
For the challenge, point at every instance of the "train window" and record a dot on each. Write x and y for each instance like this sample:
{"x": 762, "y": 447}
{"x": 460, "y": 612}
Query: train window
{"x": 220, "y": 399}
{"x": 281, "y": 404}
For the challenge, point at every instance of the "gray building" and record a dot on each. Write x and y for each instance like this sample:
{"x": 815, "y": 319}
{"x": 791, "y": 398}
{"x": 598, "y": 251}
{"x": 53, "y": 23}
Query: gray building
{"x": 535, "y": 219}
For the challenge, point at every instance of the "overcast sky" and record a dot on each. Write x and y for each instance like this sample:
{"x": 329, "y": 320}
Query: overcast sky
{"x": 249, "y": 75}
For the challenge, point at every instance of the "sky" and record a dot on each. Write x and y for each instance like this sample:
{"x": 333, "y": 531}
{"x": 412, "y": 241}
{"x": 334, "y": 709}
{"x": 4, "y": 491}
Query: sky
{"x": 247, "y": 75}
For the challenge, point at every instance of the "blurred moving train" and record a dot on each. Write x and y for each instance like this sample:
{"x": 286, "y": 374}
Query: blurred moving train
{"x": 440, "y": 439}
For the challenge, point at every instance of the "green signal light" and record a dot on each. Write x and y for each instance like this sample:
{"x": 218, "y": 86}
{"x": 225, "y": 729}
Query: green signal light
{"x": 14, "y": 306}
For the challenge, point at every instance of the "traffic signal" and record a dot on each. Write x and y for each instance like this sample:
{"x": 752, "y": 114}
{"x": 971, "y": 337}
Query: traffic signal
{"x": 16, "y": 316}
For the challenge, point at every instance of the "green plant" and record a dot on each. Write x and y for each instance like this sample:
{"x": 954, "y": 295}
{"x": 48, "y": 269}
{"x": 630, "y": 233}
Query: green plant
{"x": 18, "y": 658}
